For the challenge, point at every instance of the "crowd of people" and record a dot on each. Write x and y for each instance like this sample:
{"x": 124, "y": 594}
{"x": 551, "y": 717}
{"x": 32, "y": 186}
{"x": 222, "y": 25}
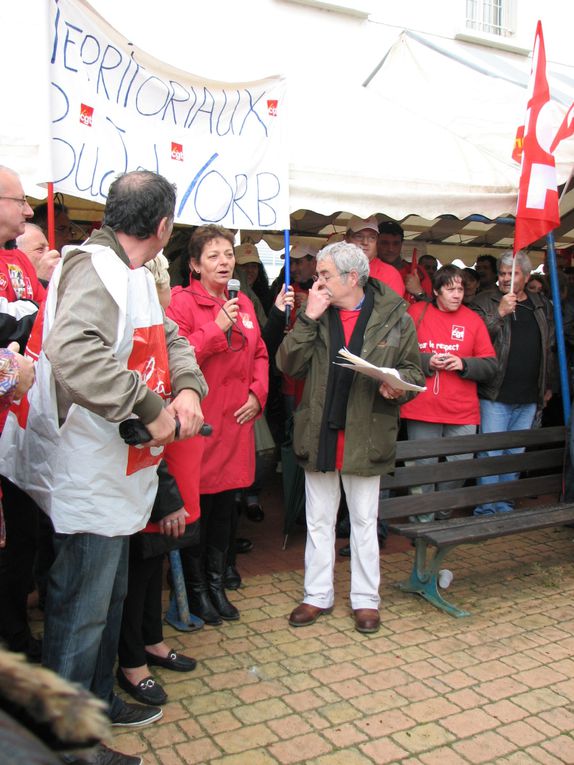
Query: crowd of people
{"x": 89, "y": 513}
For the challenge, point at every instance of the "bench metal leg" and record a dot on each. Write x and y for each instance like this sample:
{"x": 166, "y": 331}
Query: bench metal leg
{"x": 424, "y": 578}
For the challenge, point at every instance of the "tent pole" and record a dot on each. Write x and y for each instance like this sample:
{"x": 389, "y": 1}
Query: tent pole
{"x": 560, "y": 345}
{"x": 287, "y": 280}
{"x": 51, "y": 217}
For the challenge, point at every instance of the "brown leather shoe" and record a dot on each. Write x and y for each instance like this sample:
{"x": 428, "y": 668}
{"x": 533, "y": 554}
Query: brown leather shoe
{"x": 367, "y": 619}
{"x": 306, "y": 614}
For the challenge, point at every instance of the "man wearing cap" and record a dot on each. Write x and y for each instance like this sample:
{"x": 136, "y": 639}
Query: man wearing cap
{"x": 364, "y": 233}
{"x": 303, "y": 260}
{"x": 418, "y": 285}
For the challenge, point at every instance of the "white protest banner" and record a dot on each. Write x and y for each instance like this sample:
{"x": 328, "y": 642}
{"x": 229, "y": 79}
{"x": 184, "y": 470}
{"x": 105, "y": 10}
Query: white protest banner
{"x": 115, "y": 109}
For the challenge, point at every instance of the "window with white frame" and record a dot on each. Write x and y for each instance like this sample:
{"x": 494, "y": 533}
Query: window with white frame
{"x": 495, "y": 17}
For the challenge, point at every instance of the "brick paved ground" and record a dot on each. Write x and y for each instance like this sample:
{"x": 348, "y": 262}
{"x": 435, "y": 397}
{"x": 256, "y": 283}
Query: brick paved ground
{"x": 497, "y": 687}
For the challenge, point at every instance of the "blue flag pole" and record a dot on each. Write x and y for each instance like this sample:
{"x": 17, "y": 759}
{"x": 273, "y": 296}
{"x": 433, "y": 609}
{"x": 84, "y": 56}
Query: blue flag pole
{"x": 560, "y": 345}
{"x": 287, "y": 235}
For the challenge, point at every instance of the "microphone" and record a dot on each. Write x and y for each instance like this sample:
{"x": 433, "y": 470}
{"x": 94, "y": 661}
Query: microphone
{"x": 134, "y": 432}
{"x": 233, "y": 287}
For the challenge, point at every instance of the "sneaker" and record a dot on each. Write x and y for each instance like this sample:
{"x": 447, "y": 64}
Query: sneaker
{"x": 134, "y": 715}
{"x": 103, "y": 755}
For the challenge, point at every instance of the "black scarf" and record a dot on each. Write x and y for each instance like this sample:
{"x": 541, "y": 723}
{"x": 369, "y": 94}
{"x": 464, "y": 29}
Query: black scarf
{"x": 339, "y": 381}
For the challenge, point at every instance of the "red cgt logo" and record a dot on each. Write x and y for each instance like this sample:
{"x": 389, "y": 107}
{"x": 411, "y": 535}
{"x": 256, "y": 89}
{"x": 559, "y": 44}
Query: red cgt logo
{"x": 86, "y": 115}
{"x": 272, "y": 107}
{"x": 177, "y": 151}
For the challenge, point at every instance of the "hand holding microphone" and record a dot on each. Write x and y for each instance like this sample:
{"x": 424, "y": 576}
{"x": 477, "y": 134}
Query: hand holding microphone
{"x": 228, "y": 314}
{"x": 233, "y": 287}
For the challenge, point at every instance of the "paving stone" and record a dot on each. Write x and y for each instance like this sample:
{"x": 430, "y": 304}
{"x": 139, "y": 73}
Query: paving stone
{"x": 198, "y": 751}
{"x": 168, "y": 756}
{"x": 218, "y": 722}
{"x": 383, "y": 751}
{"x": 443, "y": 756}
{"x": 501, "y": 688}
{"x": 539, "y": 700}
{"x": 506, "y": 711}
{"x": 470, "y": 722}
{"x": 522, "y": 733}
{"x": 261, "y": 711}
{"x": 485, "y": 747}
{"x": 300, "y": 749}
{"x": 379, "y": 725}
{"x": 290, "y": 726}
{"x": 543, "y": 757}
{"x": 256, "y": 757}
{"x": 423, "y": 737}
{"x": 466, "y": 698}
{"x": 348, "y": 757}
{"x": 246, "y": 737}
{"x": 345, "y": 735}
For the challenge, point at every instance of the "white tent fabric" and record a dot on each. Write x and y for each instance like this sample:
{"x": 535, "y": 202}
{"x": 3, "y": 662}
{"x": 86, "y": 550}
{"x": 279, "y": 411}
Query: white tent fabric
{"x": 431, "y": 134}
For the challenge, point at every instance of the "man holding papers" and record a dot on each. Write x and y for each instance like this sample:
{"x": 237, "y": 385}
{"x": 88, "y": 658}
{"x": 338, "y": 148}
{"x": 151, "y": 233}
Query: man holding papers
{"x": 346, "y": 425}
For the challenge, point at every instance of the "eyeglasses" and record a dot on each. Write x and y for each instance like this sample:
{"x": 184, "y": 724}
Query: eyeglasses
{"x": 326, "y": 277}
{"x": 22, "y": 201}
{"x": 364, "y": 238}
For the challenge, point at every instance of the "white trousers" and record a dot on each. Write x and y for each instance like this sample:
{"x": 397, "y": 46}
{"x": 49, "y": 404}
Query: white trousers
{"x": 322, "y": 495}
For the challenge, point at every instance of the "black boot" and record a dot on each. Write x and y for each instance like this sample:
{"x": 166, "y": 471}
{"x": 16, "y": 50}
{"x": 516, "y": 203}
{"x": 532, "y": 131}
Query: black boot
{"x": 215, "y": 569}
{"x": 197, "y": 590}
{"x": 231, "y": 576}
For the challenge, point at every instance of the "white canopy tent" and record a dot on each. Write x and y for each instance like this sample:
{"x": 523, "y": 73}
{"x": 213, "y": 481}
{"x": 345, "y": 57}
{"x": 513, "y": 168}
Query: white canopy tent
{"x": 430, "y": 135}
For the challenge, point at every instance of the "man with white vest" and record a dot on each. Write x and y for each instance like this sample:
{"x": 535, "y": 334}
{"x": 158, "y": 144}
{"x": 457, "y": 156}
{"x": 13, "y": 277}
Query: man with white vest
{"x": 107, "y": 353}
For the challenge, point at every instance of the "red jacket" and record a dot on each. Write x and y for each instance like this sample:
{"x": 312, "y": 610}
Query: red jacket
{"x": 229, "y": 453}
{"x": 18, "y": 280}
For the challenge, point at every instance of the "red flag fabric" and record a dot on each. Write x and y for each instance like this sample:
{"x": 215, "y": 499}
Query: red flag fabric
{"x": 537, "y": 209}
{"x": 565, "y": 130}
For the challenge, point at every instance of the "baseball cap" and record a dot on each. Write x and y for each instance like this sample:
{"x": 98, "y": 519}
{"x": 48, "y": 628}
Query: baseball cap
{"x": 359, "y": 224}
{"x": 301, "y": 250}
{"x": 246, "y": 253}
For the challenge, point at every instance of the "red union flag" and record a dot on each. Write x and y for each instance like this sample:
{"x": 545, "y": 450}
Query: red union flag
{"x": 565, "y": 130}
{"x": 537, "y": 209}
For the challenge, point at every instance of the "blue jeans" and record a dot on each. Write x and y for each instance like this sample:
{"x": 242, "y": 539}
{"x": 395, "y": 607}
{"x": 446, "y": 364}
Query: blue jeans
{"x": 496, "y": 417}
{"x": 86, "y": 589}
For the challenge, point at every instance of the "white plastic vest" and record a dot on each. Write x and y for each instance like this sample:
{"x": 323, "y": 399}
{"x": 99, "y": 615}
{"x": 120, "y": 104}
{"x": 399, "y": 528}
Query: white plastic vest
{"x": 82, "y": 474}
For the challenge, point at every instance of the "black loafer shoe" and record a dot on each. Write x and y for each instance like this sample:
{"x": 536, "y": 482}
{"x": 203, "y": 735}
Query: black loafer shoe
{"x": 175, "y": 661}
{"x": 147, "y": 691}
{"x": 243, "y": 545}
{"x": 254, "y": 513}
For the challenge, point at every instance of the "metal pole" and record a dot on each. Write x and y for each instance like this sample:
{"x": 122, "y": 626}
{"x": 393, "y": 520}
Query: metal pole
{"x": 287, "y": 235}
{"x": 560, "y": 345}
{"x": 51, "y": 219}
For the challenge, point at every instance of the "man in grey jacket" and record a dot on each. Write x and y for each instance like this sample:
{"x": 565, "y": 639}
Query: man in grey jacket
{"x": 345, "y": 427}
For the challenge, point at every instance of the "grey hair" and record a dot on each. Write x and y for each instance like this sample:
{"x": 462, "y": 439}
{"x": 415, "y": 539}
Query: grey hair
{"x": 522, "y": 261}
{"x": 347, "y": 257}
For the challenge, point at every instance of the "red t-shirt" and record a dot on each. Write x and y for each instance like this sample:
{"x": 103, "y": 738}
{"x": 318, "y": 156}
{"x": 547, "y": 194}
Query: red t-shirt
{"x": 449, "y": 398}
{"x": 348, "y": 320}
{"x": 388, "y": 275}
{"x": 18, "y": 280}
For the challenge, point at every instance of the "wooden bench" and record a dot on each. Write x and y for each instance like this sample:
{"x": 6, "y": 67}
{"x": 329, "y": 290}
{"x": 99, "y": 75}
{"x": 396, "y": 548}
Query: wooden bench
{"x": 537, "y": 491}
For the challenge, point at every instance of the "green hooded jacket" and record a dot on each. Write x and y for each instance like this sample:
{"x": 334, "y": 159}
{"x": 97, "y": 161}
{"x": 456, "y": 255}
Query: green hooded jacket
{"x": 372, "y": 421}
